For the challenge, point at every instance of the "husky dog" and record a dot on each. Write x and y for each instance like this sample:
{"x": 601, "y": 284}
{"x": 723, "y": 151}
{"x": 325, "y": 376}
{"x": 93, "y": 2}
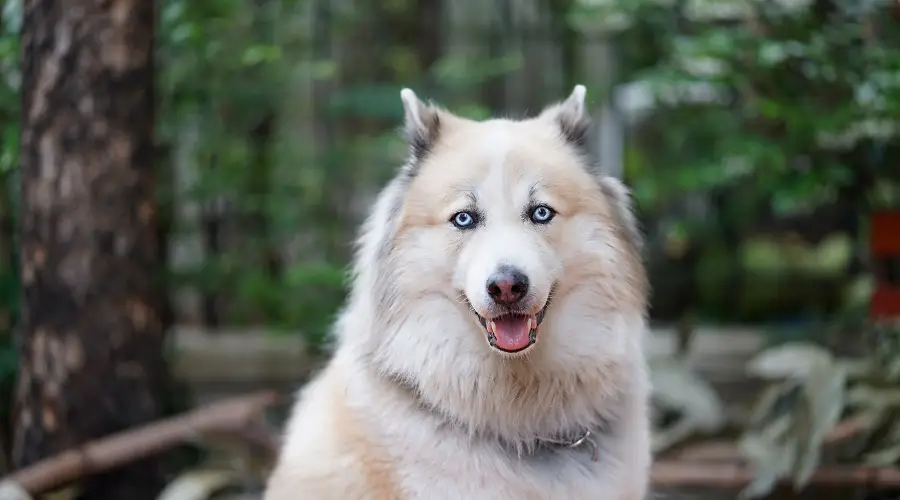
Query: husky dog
{"x": 491, "y": 347}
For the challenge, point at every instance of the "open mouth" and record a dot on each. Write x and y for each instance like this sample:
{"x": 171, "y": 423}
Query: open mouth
{"x": 512, "y": 332}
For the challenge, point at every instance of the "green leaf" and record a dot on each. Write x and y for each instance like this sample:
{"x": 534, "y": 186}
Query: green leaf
{"x": 259, "y": 54}
{"x": 323, "y": 70}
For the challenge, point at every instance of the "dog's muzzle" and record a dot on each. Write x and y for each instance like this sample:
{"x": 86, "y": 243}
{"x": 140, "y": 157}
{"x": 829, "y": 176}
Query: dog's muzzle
{"x": 512, "y": 332}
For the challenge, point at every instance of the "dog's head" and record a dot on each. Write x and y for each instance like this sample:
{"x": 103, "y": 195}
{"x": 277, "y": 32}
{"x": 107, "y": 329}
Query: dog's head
{"x": 508, "y": 221}
{"x": 498, "y": 240}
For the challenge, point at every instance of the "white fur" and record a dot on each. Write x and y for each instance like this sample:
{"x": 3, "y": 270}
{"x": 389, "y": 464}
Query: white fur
{"x": 357, "y": 433}
{"x": 411, "y": 108}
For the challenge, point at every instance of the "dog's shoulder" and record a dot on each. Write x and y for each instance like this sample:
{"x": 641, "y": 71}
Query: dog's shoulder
{"x": 326, "y": 453}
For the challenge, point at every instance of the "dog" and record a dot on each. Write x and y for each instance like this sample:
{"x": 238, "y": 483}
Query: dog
{"x": 491, "y": 346}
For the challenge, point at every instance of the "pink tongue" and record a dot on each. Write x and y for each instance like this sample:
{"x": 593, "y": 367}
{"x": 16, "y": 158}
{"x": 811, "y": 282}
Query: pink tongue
{"x": 511, "y": 333}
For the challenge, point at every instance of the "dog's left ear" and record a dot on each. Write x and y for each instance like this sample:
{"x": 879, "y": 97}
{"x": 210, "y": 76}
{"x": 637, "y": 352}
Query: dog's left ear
{"x": 571, "y": 117}
{"x": 422, "y": 124}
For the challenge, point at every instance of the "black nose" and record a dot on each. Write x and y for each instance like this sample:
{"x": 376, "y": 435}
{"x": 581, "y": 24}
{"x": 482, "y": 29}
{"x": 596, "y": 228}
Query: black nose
{"x": 507, "y": 286}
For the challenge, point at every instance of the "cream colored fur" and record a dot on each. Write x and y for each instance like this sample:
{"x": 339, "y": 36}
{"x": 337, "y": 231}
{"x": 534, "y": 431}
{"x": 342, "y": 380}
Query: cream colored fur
{"x": 415, "y": 404}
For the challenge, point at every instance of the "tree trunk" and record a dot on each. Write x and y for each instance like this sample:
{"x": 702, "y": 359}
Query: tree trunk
{"x": 92, "y": 336}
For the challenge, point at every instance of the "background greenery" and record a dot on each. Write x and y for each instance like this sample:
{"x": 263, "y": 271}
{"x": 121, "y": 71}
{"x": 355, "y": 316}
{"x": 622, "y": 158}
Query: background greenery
{"x": 795, "y": 146}
{"x": 773, "y": 135}
{"x": 278, "y": 122}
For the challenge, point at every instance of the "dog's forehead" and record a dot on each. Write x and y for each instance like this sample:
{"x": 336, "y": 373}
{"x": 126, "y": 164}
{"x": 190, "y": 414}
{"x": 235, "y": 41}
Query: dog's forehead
{"x": 503, "y": 153}
{"x": 501, "y": 165}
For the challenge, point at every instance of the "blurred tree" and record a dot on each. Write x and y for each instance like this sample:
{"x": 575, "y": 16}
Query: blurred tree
{"x": 91, "y": 353}
{"x": 773, "y": 125}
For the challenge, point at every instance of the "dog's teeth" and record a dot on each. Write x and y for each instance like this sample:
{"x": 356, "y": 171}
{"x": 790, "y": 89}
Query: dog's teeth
{"x": 492, "y": 327}
{"x": 530, "y": 322}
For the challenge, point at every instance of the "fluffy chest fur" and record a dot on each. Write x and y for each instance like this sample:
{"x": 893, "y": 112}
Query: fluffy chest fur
{"x": 435, "y": 459}
{"x": 357, "y": 437}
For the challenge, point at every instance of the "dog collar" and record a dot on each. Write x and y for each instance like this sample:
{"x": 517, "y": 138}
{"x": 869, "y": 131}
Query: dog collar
{"x": 584, "y": 440}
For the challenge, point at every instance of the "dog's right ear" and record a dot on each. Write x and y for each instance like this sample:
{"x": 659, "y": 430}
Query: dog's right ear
{"x": 571, "y": 117}
{"x": 422, "y": 123}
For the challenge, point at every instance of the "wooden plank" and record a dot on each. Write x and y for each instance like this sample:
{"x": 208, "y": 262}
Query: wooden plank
{"x": 239, "y": 356}
{"x": 260, "y": 357}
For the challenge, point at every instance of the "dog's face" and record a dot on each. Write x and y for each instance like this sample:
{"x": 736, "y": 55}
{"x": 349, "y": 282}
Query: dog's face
{"x": 504, "y": 223}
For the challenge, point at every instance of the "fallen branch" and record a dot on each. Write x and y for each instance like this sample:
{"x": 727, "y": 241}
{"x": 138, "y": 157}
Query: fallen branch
{"x": 672, "y": 474}
{"x": 230, "y": 417}
{"x": 727, "y": 451}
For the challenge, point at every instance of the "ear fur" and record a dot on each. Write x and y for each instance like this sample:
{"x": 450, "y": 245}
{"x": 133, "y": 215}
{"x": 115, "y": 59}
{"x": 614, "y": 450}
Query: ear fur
{"x": 422, "y": 124}
{"x": 619, "y": 198}
{"x": 571, "y": 117}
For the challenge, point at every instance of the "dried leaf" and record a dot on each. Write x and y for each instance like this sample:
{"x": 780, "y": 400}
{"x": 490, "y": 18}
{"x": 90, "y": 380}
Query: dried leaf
{"x": 67, "y": 493}
{"x": 856, "y": 368}
{"x": 883, "y": 457}
{"x": 888, "y": 453}
{"x": 775, "y": 401}
{"x": 677, "y": 387}
{"x": 823, "y": 398}
{"x": 892, "y": 370}
{"x": 873, "y": 397}
{"x": 769, "y": 451}
{"x": 198, "y": 485}
{"x": 665, "y": 438}
{"x": 10, "y": 490}
{"x": 790, "y": 420}
{"x": 791, "y": 360}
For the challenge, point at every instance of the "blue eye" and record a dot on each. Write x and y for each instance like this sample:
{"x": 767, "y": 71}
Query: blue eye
{"x": 464, "y": 220}
{"x": 542, "y": 214}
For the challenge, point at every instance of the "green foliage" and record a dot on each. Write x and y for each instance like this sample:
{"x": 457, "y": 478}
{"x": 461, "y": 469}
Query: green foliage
{"x": 803, "y": 100}
{"x": 228, "y": 66}
{"x": 761, "y": 111}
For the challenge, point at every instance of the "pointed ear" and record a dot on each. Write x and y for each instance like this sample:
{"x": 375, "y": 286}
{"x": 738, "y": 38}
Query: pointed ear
{"x": 571, "y": 117}
{"x": 421, "y": 124}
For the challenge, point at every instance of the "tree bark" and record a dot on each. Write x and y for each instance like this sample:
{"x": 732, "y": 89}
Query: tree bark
{"x": 91, "y": 349}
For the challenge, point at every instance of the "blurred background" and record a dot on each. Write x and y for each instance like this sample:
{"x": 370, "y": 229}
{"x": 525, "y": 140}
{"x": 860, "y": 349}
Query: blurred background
{"x": 759, "y": 137}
